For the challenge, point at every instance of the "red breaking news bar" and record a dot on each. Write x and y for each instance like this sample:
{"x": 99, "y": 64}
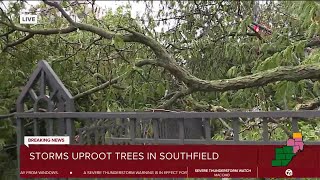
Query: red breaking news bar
{"x": 170, "y": 161}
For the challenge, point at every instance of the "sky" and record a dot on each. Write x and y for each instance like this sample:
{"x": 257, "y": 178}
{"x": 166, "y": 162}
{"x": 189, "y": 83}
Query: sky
{"x": 137, "y": 7}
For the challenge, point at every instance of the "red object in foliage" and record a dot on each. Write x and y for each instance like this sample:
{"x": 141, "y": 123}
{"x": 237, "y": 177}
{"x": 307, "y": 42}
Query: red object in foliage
{"x": 256, "y": 28}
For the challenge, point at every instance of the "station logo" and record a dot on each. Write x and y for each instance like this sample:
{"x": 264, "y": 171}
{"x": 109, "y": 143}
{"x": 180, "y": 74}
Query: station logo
{"x": 285, "y": 154}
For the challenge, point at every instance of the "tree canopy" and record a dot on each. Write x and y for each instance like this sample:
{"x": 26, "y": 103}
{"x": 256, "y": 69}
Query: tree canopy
{"x": 176, "y": 55}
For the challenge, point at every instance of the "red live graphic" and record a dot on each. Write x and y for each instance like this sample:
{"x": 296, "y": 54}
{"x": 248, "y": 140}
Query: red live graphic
{"x": 170, "y": 161}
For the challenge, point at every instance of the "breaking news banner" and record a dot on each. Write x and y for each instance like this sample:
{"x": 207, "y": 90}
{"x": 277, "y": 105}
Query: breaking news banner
{"x": 53, "y": 157}
{"x": 40, "y": 140}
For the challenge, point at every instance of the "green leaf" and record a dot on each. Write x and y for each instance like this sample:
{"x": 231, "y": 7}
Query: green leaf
{"x": 284, "y": 91}
{"x": 313, "y": 58}
{"x": 2, "y": 143}
{"x": 224, "y": 99}
{"x": 64, "y": 3}
{"x": 288, "y": 55}
{"x": 161, "y": 89}
{"x": 312, "y": 29}
{"x": 138, "y": 69}
{"x": 270, "y": 62}
{"x": 118, "y": 41}
{"x": 145, "y": 89}
{"x": 232, "y": 72}
{"x": 299, "y": 48}
{"x": 316, "y": 88}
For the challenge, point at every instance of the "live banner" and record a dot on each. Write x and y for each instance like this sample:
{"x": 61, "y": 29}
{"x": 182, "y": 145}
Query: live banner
{"x": 169, "y": 161}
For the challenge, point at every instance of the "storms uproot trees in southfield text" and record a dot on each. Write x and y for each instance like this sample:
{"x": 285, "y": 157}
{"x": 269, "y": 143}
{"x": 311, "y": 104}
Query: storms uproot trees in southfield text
{"x": 129, "y": 156}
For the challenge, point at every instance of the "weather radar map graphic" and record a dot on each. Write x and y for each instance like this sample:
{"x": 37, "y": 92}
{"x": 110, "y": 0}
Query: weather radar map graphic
{"x": 285, "y": 154}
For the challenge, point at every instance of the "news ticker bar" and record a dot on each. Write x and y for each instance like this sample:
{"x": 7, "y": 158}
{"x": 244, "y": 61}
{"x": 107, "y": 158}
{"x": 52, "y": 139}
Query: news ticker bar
{"x": 163, "y": 161}
{"x": 177, "y": 173}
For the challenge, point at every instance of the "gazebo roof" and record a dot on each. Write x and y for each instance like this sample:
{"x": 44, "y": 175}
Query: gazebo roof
{"x": 46, "y": 77}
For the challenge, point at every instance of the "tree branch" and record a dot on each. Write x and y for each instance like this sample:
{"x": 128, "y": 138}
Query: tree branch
{"x": 147, "y": 62}
{"x": 174, "y": 98}
{"x": 309, "y": 105}
{"x": 40, "y": 31}
{"x": 7, "y": 33}
{"x": 313, "y": 42}
{"x": 19, "y": 41}
{"x": 112, "y": 81}
{"x": 284, "y": 73}
{"x": 100, "y": 87}
{"x": 32, "y": 32}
